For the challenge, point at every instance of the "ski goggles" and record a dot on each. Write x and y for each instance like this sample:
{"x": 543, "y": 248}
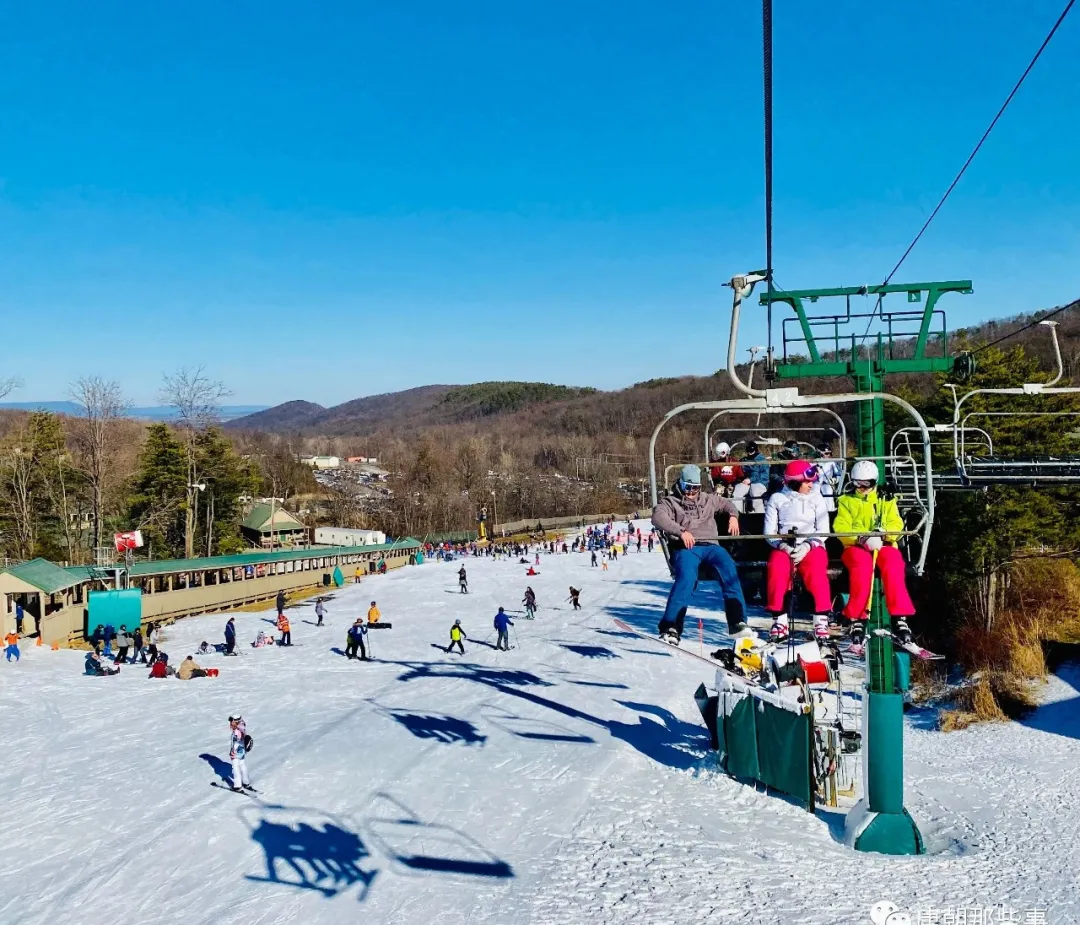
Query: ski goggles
{"x": 690, "y": 489}
{"x": 864, "y": 484}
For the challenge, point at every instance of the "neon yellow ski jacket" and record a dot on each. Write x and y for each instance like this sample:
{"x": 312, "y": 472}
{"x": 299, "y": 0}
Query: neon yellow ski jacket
{"x": 865, "y": 514}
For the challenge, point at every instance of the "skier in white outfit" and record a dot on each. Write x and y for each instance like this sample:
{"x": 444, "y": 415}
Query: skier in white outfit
{"x": 238, "y": 753}
{"x": 830, "y": 474}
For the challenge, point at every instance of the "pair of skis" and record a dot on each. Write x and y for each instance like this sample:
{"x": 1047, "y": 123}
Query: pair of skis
{"x": 247, "y": 791}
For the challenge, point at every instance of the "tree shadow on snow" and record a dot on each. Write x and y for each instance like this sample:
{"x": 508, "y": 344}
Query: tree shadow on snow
{"x": 221, "y": 768}
{"x": 446, "y": 729}
{"x": 310, "y": 850}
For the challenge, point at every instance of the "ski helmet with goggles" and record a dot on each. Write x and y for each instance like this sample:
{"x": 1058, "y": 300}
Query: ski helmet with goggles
{"x": 235, "y": 718}
{"x": 864, "y": 471}
{"x": 722, "y": 449}
{"x": 798, "y": 470}
{"x": 791, "y": 447}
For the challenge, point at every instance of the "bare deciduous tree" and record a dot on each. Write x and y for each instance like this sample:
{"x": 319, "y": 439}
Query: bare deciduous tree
{"x": 197, "y": 400}
{"x": 96, "y": 438}
{"x": 9, "y": 385}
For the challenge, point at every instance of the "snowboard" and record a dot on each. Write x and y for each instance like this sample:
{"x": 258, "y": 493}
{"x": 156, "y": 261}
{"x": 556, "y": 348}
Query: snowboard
{"x": 379, "y": 626}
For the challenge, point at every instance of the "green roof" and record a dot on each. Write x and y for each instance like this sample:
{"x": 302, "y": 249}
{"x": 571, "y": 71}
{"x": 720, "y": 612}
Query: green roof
{"x": 258, "y": 518}
{"x": 44, "y": 575}
{"x": 78, "y": 573}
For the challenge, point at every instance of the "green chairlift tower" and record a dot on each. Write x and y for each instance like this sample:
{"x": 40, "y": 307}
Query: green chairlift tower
{"x": 911, "y": 341}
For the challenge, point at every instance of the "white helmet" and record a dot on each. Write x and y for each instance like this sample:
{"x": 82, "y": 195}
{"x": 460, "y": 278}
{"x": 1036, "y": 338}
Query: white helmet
{"x": 864, "y": 471}
{"x": 722, "y": 449}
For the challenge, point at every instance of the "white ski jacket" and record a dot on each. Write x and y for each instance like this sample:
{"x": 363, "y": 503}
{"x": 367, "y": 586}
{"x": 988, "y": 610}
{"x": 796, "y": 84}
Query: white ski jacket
{"x": 789, "y": 511}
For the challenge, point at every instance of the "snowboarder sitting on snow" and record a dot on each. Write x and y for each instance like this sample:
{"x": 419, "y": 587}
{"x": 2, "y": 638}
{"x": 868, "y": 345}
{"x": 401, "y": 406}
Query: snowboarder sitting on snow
{"x": 689, "y": 517}
{"x": 502, "y": 624}
{"x": 190, "y": 669}
{"x": 574, "y": 594}
{"x": 95, "y": 667}
{"x": 205, "y": 648}
{"x": 456, "y": 635}
{"x": 160, "y": 669}
{"x": 263, "y": 639}
{"x": 239, "y": 745}
{"x": 876, "y": 525}
{"x": 354, "y": 640}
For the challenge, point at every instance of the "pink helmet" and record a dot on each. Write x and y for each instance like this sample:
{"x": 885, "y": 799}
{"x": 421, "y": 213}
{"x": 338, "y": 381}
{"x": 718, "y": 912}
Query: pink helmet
{"x": 799, "y": 470}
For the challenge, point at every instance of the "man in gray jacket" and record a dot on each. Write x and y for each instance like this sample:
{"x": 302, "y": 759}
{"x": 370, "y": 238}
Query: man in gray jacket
{"x": 689, "y": 516}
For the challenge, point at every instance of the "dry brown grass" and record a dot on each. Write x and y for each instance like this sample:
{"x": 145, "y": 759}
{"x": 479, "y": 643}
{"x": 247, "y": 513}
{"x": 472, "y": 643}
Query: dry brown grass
{"x": 1042, "y": 604}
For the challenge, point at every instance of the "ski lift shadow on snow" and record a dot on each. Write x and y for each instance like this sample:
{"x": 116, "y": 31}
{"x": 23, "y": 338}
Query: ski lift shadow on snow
{"x": 309, "y": 849}
{"x": 589, "y": 651}
{"x": 414, "y": 846}
{"x": 449, "y": 730}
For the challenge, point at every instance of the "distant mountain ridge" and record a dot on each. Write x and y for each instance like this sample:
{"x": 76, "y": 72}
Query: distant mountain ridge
{"x": 149, "y": 413}
{"x": 424, "y": 406}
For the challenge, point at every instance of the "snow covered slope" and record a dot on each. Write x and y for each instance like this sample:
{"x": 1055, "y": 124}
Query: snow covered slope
{"x": 564, "y": 781}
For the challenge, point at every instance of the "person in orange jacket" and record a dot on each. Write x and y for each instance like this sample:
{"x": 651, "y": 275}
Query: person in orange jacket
{"x": 11, "y": 641}
{"x": 285, "y": 630}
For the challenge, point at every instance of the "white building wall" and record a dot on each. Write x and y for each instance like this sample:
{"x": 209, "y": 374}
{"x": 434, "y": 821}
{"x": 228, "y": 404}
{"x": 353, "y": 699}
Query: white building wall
{"x": 343, "y": 536}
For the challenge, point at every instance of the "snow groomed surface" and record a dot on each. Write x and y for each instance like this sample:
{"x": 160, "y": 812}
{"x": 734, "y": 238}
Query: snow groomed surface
{"x": 565, "y": 781}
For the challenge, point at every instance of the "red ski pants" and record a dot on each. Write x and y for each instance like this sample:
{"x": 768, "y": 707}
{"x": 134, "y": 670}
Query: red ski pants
{"x": 814, "y": 571}
{"x": 859, "y": 562}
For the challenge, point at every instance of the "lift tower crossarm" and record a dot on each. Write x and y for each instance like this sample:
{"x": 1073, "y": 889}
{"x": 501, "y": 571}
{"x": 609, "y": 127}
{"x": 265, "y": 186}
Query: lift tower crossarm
{"x": 918, "y": 362}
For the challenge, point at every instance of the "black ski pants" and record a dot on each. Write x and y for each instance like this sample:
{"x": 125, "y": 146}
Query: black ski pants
{"x": 352, "y": 645}
{"x": 286, "y": 638}
{"x": 458, "y": 643}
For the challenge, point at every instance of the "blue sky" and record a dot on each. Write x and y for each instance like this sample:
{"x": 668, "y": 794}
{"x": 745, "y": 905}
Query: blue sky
{"x": 329, "y": 200}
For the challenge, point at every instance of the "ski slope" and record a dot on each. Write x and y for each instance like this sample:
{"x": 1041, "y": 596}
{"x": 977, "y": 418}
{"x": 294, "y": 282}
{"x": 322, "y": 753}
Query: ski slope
{"x": 565, "y": 781}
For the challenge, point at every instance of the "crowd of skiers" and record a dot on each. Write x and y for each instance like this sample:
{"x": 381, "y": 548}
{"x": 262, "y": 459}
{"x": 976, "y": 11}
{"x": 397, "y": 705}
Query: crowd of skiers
{"x": 796, "y": 524}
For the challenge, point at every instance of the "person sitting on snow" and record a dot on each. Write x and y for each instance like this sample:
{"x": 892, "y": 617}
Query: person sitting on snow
{"x": 874, "y": 524}
{"x": 795, "y": 512}
{"x": 189, "y": 669}
{"x": 95, "y": 667}
{"x": 689, "y": 518}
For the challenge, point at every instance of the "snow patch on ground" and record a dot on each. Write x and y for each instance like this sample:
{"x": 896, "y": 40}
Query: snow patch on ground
{"x": 565, "y": 781}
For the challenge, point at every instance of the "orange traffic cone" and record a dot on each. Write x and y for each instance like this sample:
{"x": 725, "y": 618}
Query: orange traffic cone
{"x": 38, "y": 643}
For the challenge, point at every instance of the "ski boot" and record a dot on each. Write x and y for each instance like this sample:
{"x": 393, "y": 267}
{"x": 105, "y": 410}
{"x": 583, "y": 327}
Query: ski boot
{"x": 821, "y": 628}
{"x": 857, "y": 633}
{"x": 902, "y": 631}
{"x": 740, "y": 630}
{"x": 671, "y": 637}
{"x": 778, "y": 632}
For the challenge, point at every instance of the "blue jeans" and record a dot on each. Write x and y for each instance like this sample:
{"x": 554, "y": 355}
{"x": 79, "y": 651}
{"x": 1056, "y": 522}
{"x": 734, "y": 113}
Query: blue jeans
{"x": 685, "y": 563}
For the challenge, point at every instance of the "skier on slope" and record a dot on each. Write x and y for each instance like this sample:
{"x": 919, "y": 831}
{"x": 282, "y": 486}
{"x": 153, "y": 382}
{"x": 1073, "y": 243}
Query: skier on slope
{"x": 875, "y": 524}
{"x": 463, "y": 581}
{"x": 355, "y": 640}
{"x": 230, "y": 637}
{"x": 574, "y": 594}
{"x": 690, "y": 519}
{"x": 530, "y": 603}
{"x": 456, "y": 635}
{"x": 320, "y": 611}
{"x": 239, "y": 743}
{"x": 502, "y": 624}
{"x": 593, "y": 562}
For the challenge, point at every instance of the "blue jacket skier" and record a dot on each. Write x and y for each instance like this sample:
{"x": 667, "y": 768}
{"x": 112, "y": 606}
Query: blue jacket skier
{"x": 355, "y": 640}
{"x": 502, "y": 624}
{"x": 230, "y": 636}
